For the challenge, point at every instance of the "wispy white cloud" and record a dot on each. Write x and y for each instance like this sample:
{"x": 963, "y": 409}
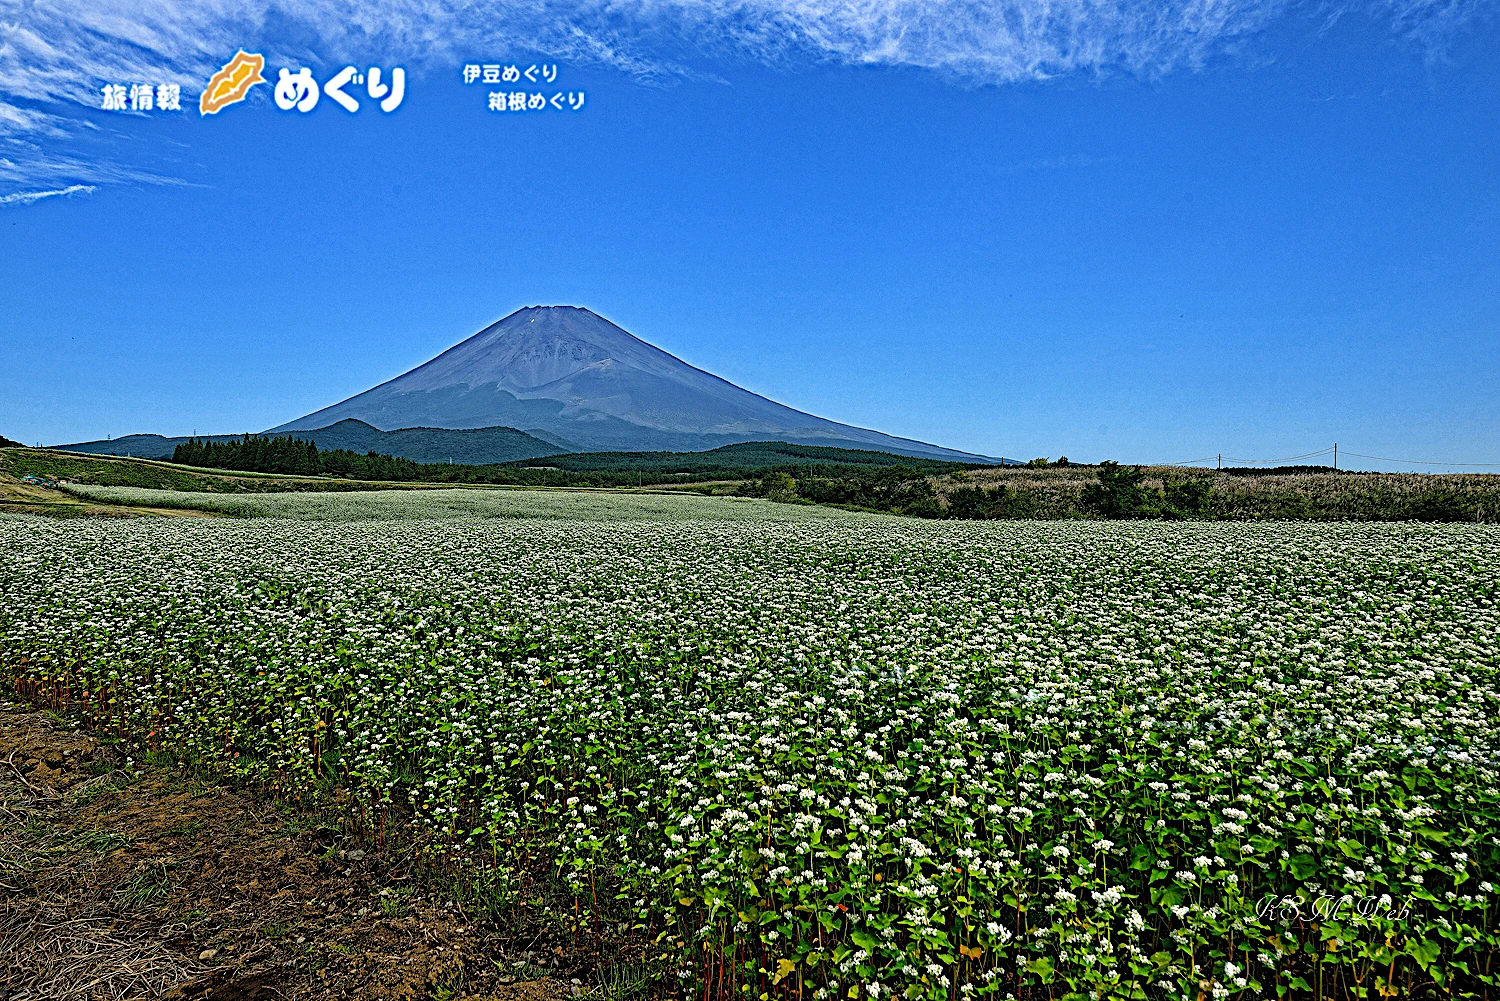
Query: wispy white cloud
{"x": 1434, "y": 23}
{"x": 1065, "y": 161}
{"x": 55, "y": 54}
{"x": 997, "y": 42}
{"x": 63, "y": 49}
{"x": 14, "y": 119}
{"x": 26, "y": 163}
{"x": 27, "y": 197}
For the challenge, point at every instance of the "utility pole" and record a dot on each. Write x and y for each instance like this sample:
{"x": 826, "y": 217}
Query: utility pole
{"x": 1221, "y": 461}
{"x": 1335, "y": 457}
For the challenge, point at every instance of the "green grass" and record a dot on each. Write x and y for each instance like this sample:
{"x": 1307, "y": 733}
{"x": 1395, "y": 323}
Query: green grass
{"x": 622, "y": 981}
{"x": 279, "y": 929}
{"x": 459, "y": 503}
{"x": 101, "y": 784}
{"x": 153, "y": 882}
{"x": 393, "y": 904}
{"x": 94, "y": 841}
{"x": 523, "y": 969}
{"x": 104, "y": 471}
{"x": 184, "y": 828}
{"x": 113, "y": 471}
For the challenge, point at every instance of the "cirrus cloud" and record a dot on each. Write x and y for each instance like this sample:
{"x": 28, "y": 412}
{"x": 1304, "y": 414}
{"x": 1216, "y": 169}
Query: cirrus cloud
{"x": 54, "y": 54}
{"x": 27, "y": 197}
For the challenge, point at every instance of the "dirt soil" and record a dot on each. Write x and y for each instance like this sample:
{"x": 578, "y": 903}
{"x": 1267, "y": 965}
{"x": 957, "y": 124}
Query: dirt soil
{"x": 120, "y": 879}
{"x": 17, "y": 497}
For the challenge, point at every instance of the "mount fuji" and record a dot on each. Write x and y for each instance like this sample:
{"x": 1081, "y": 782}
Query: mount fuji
{"x": 572, "y": 378}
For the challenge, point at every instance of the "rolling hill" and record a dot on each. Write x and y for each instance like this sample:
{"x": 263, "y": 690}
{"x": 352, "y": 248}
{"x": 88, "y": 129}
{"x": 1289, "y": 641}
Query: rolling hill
{"x": 475, "y": 446}
{"x": 734, "y": 460}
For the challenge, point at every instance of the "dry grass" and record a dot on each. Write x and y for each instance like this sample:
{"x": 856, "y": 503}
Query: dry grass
{"x": 124, "y": 879}
{"x": 1056, "y": 493}
{"x": 58, "y": 941}
{"x": 50, "y": 951}
{"x": 17, "y": 497}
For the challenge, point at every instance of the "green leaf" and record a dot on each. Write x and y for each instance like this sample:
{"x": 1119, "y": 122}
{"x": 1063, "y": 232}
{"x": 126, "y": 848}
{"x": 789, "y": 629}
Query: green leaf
{"x": 1043, "y": 967}
{"x": 1424, "y": 951}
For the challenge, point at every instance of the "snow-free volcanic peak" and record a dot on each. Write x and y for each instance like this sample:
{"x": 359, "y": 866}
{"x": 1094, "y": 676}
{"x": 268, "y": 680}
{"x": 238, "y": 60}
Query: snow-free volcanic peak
{"x": 570, "y": 374}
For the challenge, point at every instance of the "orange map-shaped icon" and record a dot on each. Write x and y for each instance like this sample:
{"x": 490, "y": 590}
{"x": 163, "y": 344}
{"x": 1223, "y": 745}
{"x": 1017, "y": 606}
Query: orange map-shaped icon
{"x": 232, "y": 82}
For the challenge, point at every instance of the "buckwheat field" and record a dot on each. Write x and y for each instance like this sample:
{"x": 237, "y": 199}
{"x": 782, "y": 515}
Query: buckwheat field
{"x": 840, "y": 756}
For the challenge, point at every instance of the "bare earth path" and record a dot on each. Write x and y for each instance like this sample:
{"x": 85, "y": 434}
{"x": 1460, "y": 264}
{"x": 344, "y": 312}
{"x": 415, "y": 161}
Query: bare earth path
{"x": 120, "y": 879}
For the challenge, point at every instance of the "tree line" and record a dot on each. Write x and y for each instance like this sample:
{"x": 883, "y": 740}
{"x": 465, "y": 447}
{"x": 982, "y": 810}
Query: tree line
{"x": 858, "y": 485}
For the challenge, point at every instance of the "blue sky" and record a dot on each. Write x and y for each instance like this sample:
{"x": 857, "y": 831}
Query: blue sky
{"x": 1148, "y": 231}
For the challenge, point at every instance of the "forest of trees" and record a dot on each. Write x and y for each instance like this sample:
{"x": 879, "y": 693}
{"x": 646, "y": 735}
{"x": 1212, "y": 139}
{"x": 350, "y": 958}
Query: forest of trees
{"x": 857, "y": 484}
{"x": 293, "y": 456}
{"x": 897, "y": 489}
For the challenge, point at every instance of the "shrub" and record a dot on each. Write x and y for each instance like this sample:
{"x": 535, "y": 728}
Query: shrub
{"x": 920, "y": 500}
{"x": 1186, "y": 498}
{"x": 974, "y": 504}
{"x": 779, "y": 487}
{"x": 1120, "y": 493}
{"x": 967, "y": 503}
{"x": 1445, "y": 505}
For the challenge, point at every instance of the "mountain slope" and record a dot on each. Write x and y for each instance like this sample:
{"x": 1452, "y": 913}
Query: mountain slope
{"x": 476, "y": 446}
{"x": 753, "y": 456}
{"x": 419, "y": 444}
{"x": 568, "y": 374}
{"x": 139, "y": 446}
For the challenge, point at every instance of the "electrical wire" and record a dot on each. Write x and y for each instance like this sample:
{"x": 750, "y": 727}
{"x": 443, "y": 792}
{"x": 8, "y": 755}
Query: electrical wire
{"x": 1306, "y": 455}
{"x": 1333, "y": 449}
{"x": 1423, "y": 462}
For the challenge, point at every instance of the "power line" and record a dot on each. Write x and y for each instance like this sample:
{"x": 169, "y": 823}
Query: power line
{"x": 1213, "y": 458}
{"x": 1335, "y": 450}
{"x": 1424, "y": 462}
{"x": 1184, "y": 462}
{"x": 1305, "y": 455}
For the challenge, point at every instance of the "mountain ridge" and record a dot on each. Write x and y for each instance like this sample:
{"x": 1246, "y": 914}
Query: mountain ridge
{"x": 476, "y": 446}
